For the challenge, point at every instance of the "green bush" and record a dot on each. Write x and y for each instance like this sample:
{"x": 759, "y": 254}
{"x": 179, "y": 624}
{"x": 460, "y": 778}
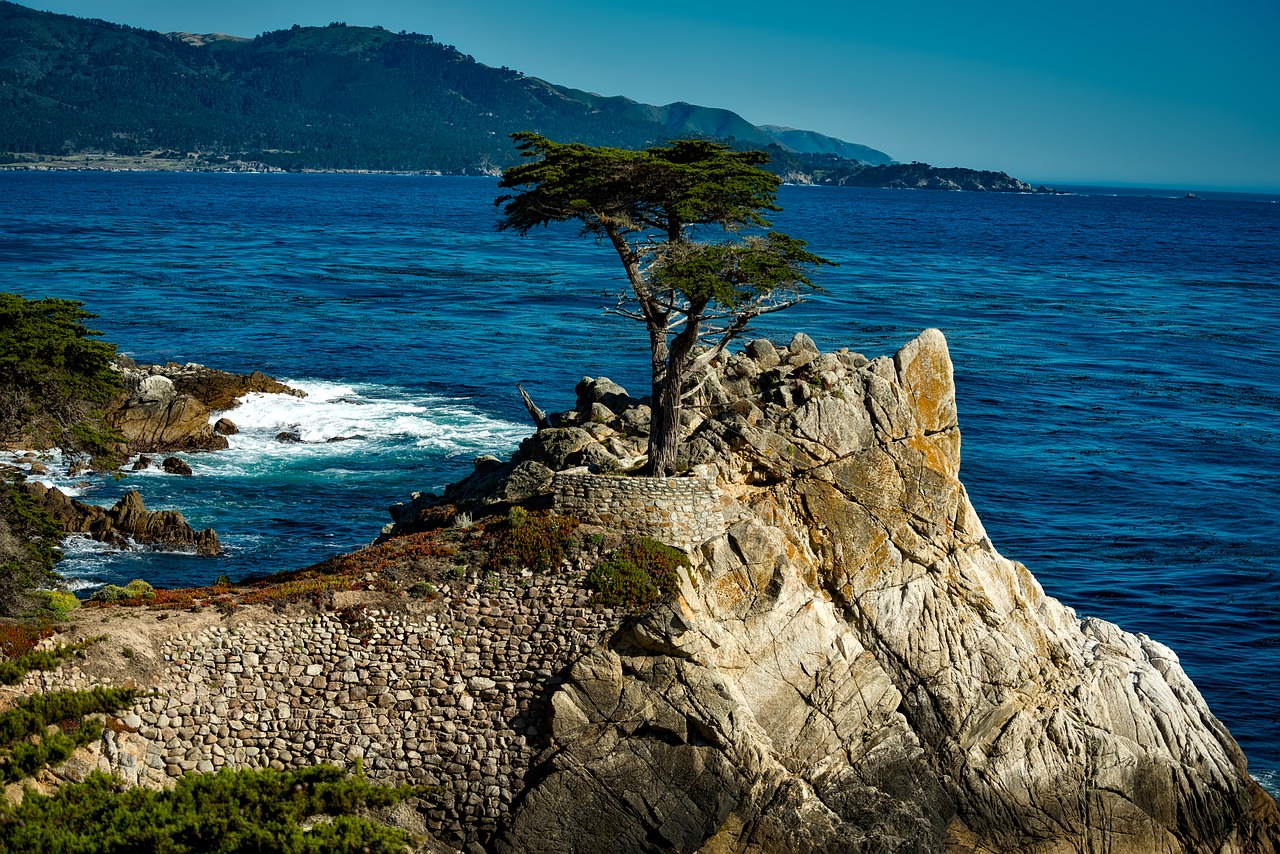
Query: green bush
{"x": 139, "y": 589}
{"x": 533, "y": 540}
{"x": 59, "y": 603}
{"x": 640, "y": 573}
{"x": 28, "y": 758}
{"x": 33, "y": 714}
{"x": 230, "y": 811}
{"x": 136, "y": 589}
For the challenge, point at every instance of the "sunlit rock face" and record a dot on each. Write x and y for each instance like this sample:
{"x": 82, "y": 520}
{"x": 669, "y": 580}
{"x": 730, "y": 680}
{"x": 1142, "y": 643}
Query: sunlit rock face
{"x": 852, "y": 665}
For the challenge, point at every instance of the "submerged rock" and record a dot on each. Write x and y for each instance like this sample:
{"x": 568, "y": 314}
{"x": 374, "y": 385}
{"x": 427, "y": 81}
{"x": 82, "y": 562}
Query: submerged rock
{"x": 173, "y": 465}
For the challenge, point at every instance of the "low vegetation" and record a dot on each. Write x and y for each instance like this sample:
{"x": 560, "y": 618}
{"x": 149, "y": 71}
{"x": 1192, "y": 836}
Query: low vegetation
{"x": 313, "y": 810}
{"x": 523, "y": 539}
{"x": 12, "y": 669}
{"x": 639, "y": 573}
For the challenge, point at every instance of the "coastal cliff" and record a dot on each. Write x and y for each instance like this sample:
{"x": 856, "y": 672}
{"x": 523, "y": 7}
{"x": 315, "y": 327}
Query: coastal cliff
{"x": 849, "y": 664}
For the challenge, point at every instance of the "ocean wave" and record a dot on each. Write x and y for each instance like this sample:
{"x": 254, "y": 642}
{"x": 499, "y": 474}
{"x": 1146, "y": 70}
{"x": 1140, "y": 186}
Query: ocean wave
{"x": 1269, "y": 780}
{"x": 341, "y": 420}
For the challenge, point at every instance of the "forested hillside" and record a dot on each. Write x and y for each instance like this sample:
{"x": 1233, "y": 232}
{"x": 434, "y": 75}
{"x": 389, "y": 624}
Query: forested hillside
{"x": 334, "y": 97}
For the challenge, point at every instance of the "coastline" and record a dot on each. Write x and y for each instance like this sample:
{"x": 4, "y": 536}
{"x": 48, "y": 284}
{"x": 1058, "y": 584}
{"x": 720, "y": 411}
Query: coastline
{"x": 190, "y": 163}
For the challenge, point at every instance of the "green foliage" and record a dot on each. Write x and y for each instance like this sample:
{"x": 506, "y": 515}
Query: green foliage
{"x": 662, "y": 189}
{"x": 533, "y": 540}
{"x": 423, "y": 590}
{"x": 28, "y": 563}
{"x": 28, "y": 758}
{"x": 230, "y": 811}
{"x": 13, "y": 669}
{"x": 44, "y": 345}
{"x": 139, "y": 589}
{"x": 136, "y": 589}
{"x": 640, "y": 573}
{"x": 31, "y": 715}
{"x": 59, "y": 603}
{"x": 54, "y": 378}
{"x": 673, "y": 215}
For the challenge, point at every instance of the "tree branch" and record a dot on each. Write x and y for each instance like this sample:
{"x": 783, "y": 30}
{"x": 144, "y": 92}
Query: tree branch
{"x": 540, "y": 419}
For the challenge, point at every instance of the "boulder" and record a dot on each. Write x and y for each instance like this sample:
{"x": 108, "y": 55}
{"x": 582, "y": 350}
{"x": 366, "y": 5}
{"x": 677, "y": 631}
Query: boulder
{"x": 168, "y": 407}
{"x": 601, "y": 390}
{"x": 142, "y": 463}
{"x": 125, "y": 524}
{"x": 763, "y": 352}
{"x": 857, "y": 668}
{"x": 173, "y": 465}
{"x": 288, "y": 438}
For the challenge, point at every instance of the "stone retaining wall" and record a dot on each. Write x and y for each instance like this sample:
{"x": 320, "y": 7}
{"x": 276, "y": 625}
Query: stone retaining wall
{"x": 679, "y": 511}
{"x": 454, "y": 698}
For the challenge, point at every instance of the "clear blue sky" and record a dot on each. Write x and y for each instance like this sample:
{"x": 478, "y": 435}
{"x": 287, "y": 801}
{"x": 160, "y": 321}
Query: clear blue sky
{"x": 1170, "y": 94}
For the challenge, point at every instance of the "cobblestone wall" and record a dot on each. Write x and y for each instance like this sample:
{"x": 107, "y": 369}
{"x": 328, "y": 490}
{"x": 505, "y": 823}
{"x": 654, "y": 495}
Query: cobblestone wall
{"x": 454, "y": 698}
{"x": 678, "y": 511}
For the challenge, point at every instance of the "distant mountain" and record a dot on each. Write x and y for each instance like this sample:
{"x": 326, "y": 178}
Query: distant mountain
{"x": 334, "y": 97}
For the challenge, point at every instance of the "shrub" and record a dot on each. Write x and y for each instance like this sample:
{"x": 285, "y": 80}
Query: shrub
{"x": 533, "y": 540}
{"x": 29, "y": 563}
{"x": 139, "y": 589}
{"x": 33, "y": 714}
{"x": 59, "y": 603}
{"x": 423, "y": 590}
{"x": 52, "y": 748}
{"x": 640, "y": 573}
{"x": 228, "y": 811}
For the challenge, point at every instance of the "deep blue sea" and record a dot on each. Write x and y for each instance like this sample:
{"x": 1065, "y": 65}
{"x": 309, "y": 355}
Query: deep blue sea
{"x": 1116, "y": 354}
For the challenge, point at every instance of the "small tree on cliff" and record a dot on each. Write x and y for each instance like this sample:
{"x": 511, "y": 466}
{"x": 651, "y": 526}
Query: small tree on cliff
{"x": 672, "y": 214}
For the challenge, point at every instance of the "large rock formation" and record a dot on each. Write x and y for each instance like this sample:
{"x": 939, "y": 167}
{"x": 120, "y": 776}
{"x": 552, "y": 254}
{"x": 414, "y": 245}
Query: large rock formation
{"x": 850, "y": 665}
{"x": 167, "y": 407}
{"x": 853, "y": 666}
{"x": 126, "y": 524}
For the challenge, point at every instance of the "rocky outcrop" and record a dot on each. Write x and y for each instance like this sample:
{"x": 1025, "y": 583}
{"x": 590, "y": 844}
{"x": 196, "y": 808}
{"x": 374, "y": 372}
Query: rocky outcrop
{"x": 125, "y": 525}
{"x": 168, "y": 407}
{"x": 852, "y": 665}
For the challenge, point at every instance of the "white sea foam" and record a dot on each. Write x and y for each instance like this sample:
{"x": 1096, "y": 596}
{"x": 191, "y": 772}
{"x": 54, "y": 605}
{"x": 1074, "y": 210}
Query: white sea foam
{"x": 336, "y": 421}
{"x": 1269, "y": 780}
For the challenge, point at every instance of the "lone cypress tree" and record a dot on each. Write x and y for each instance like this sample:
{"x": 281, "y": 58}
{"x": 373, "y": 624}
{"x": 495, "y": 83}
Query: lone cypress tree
{"x": 673, "y": 214}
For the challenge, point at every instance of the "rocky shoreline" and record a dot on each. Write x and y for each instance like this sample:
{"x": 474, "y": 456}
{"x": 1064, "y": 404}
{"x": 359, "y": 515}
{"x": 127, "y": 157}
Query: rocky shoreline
{"x": 163, "y": 409}
{"x": 849, "y": 663}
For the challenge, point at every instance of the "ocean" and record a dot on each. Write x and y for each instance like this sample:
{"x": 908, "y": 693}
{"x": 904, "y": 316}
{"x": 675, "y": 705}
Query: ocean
{"x": 1116, "y": 356}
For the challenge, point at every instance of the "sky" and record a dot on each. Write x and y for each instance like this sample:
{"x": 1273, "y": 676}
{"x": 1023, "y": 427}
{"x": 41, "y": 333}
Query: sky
{"x": 1161, "y": 94}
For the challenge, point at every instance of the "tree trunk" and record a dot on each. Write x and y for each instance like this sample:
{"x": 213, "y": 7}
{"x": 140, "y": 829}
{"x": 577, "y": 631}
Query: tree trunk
{"x": 668, "y": 394}
{"x": 664, "y": 435}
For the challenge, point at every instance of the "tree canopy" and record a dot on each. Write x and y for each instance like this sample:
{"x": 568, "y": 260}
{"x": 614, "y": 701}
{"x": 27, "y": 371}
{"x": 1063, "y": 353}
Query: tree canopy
{"x": 685, "y": 220}
{"x": 53, "y": 374}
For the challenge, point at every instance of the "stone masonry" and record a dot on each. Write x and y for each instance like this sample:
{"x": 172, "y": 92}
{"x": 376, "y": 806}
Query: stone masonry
{"x": 680, "y": 511}
{"x": 453, "y": 698}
